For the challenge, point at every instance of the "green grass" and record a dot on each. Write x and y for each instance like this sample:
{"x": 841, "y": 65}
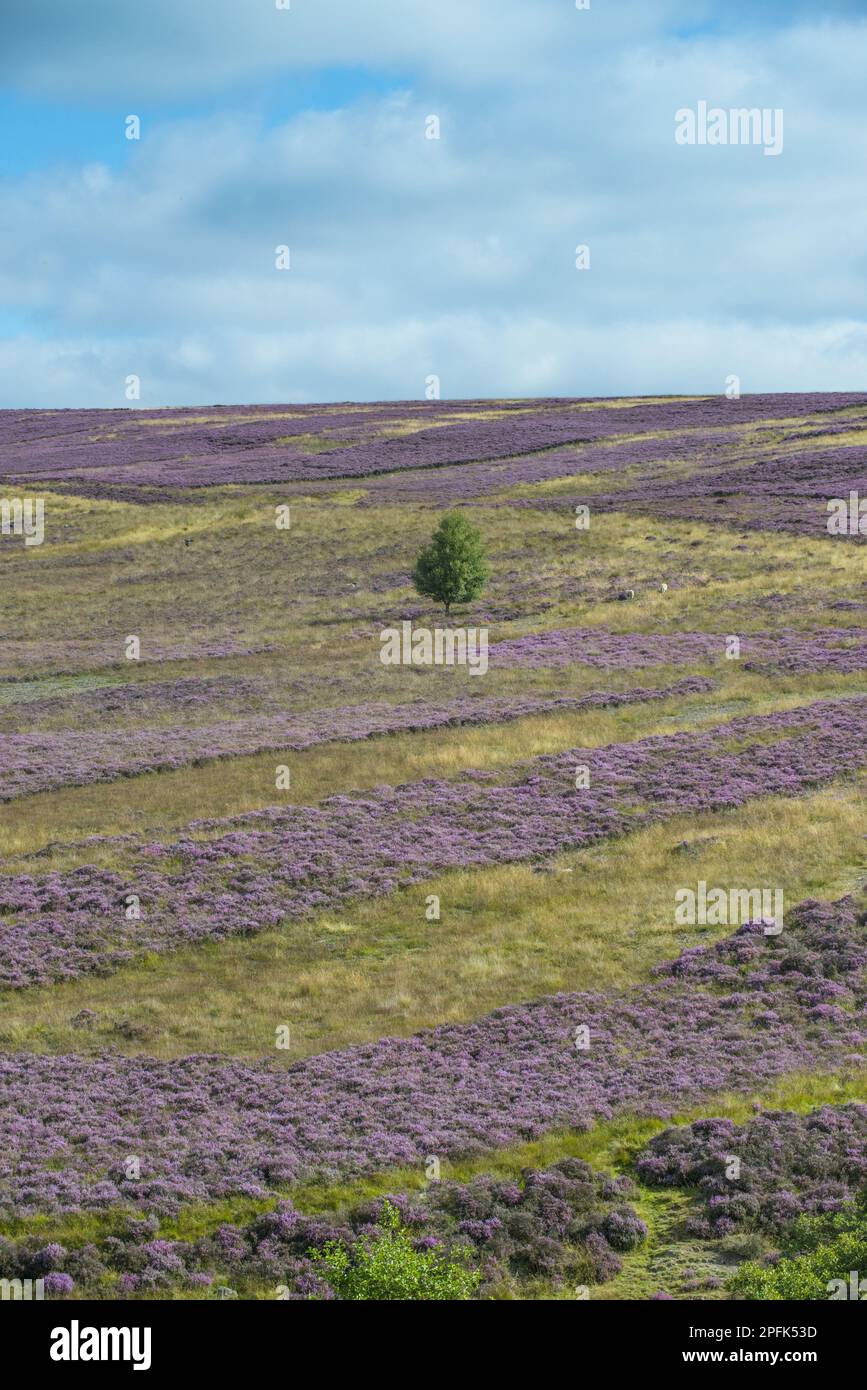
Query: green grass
{"x": 109, "y": 568}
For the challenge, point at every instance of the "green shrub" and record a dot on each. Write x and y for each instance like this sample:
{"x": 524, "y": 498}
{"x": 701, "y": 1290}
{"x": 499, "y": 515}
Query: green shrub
{"x": 807, "y": 1233}
{"x": 389, "y": 1267}
{"x": 807, "y": 1277}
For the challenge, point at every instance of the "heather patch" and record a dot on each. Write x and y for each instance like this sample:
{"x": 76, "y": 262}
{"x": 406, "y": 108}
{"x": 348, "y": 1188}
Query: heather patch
{"x": 554, "y": 873}
{"x": 777, "y": 1167}
{"x": 62, "y": 657}
{"x": 105, "y": 697}
{"x": 37, "y": 762}
{"x": 203, "y": 1127}
{"x": 842, "y": 650}
{"x": 259, "y": 869}
{"x": 564, "y": 1221}
{"x": 254, "y": 871}
{"x": 593, "y": 919}
{"x": 270, "y": 444}
{"x": 771, "y": 490}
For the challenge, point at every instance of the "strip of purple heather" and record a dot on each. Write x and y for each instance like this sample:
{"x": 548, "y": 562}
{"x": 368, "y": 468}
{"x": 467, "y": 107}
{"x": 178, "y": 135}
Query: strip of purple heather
{"x": 31, "y": 660}
{"x": 92, "y": 445}
{"x": 265, "y": 867}
{"x": 453, "y": 483}
{"x": 107, "y": 696}
{"x": 843, "y": 650}
{"x": 735, "y": 1016}
{"x": 39, "y": 762}
{"x": 781, "y": 492}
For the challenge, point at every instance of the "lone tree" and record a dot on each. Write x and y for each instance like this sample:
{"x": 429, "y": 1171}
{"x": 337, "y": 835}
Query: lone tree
{"x": 452, "y": 567}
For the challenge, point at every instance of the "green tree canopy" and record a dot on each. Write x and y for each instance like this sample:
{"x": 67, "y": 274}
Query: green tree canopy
{"x": 452, "y": 567}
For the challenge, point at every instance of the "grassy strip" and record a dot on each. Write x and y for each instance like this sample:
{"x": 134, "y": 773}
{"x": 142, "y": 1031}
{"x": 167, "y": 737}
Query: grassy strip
{"x": 600, "y": 918}
{"x": 160, "y": 804}
{"x": 221, "y": 568}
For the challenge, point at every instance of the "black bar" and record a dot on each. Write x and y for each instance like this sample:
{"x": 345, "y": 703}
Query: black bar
{"x": 695, "y": 1338}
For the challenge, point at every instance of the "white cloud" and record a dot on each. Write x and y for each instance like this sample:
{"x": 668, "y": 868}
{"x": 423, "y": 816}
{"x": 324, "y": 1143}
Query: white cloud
{"x": 455, "y": 256}
{"x": 473, "y": 356}
{"x": 168, "y": 49}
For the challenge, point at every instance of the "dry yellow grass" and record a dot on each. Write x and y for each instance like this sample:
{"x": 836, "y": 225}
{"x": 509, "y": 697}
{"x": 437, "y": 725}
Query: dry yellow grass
{"x": 163, "y": 803}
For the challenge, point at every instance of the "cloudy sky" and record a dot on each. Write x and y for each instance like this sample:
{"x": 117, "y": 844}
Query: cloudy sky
{"x": 410, "y": 257}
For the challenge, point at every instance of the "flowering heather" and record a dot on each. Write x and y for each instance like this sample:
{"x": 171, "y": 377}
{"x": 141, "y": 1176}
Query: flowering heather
{"x": 256, "y": 870}
{"x": 827, "y": 649}
{"x": 451, "y": 483}
{"x": 738, "y": 1015}
{"x": 830, "y": 649}
{"x": 137, "y": 698}
{"x": 177, "y": 448}
{"x": 70, "y": 657}
{"x": 789, "y": 1165}
{"x": 92, "y": 449}
{"x": 37, "y": 762}
{"x": 545, "y": 428}
{"x": 558, "y": 1221}
{"x": 161, "y": 523}
{"x": 786, "y": 492}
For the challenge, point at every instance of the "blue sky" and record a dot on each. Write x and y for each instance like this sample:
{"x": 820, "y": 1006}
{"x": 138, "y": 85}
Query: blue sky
{"x": 410, "y": 257}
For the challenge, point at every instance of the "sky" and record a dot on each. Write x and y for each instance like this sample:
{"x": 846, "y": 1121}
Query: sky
{"x": 411, "y": 258}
